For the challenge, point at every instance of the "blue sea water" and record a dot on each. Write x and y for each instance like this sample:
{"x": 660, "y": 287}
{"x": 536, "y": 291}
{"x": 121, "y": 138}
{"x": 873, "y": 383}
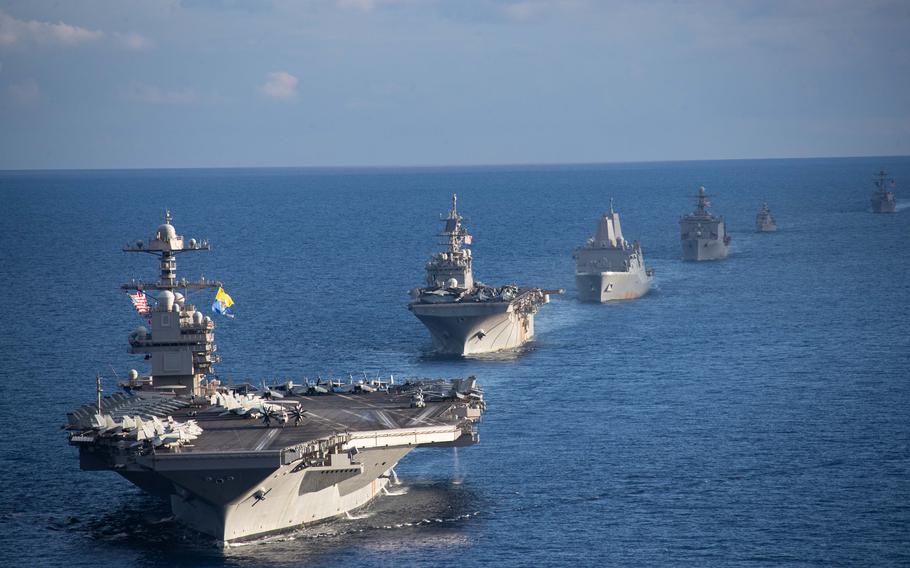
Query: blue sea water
{"x": 749, "y": 412}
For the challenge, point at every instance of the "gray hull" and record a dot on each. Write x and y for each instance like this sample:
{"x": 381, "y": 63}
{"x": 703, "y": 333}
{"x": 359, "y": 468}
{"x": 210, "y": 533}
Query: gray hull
{"x": 472, "y": 328}
{"x": 704, "y": 249}
{"x": 883, "y": 205}
{"x": 293, "y": 498}
{"x": 221, "y": 501}
{"x": 603, "y": 287}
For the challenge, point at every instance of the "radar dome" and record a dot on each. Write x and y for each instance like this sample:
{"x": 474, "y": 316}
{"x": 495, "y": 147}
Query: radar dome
{"x": 140, "y": 331}
{"x": 134, "y": 374}
{"x": 178, "y": 299}
{"x": 166, "y": 232}
{"x": 198, "y": 318}
{"x": 166, "y": 301}
{"x": 452, "y": 283}
{"x": 193, "y": 243}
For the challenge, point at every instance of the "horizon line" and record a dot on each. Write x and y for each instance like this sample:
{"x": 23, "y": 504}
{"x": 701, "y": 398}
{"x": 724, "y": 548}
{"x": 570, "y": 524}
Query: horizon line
{"x": 442, "y": 166}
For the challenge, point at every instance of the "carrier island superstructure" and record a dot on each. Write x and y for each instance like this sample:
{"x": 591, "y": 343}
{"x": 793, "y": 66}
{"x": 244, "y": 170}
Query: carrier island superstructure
{"x": 703, "y": 236}
{"x": 608, "y": 268}
{"x": 236, "y": 464}
{"x": 883, "y": 200}
{"x": 465, "y": 317}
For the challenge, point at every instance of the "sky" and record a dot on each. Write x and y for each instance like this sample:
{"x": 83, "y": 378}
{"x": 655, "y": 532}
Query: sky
{"x": 231, "y": 83}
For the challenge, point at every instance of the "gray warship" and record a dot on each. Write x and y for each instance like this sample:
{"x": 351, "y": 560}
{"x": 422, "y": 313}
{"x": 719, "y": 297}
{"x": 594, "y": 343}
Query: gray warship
{"x": 764, "y": 221}
{"x": 236, "y": 464}
{"x": 883, "y": 200}
{"x": 465, "y": 317}
{"x": 703, "y": 236}
{"x": 608, "y": 268}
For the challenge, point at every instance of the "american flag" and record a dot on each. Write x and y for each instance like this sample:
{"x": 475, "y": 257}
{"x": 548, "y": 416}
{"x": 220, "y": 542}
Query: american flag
{"x": 140, "y": 302}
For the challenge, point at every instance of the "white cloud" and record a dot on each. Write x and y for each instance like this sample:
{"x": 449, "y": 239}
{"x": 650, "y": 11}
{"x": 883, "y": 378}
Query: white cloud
{"x": 25, "y": 92}
{"x": 280, "y": 85}
{"x": 134, "y": 41}
{"x": 60, "y": 34}
{"x": 151, "y": 94}
{"x": 43, "y": 33}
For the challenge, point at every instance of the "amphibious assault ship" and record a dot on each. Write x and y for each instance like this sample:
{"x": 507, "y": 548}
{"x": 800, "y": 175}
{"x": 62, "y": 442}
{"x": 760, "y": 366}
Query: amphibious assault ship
{"x": 704, "y": 236}
{"x": 232, "y": 463}
{"x": 883, "y": 200}
{"x": 764, "y": 221}
{"x": 609, "y": 268}
{"x": 466, "y": 317}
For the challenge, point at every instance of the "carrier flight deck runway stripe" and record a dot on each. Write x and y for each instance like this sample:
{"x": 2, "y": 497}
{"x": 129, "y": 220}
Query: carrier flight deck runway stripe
{"x": 266, "y": 439}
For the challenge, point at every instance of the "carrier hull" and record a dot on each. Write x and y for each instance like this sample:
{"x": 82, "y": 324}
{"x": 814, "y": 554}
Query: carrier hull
{"x": 294, "y": 498}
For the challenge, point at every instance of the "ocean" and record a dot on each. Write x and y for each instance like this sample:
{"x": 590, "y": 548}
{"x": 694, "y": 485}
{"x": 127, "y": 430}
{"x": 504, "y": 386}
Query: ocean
{"x": 748, "y": 412}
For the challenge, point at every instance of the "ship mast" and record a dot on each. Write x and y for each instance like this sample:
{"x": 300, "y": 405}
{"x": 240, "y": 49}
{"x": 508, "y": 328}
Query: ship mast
{"x": 701, "y": 206}
{"x": 452, "y": 267}
{"x": 880, "y": 181}
{"x": 454, "y": 232}
{"x": 167, "y": 245}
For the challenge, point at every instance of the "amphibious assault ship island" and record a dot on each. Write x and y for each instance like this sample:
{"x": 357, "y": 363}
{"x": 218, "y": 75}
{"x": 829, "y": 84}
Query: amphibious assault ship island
{"x": 609, "y": 268}
{"x": 704, "y": 236}
{"x": 466, "y": 317}
{"x": 234, "y": 464}
{"x": 764, "y": 222}
{"x": 883, "y": 200}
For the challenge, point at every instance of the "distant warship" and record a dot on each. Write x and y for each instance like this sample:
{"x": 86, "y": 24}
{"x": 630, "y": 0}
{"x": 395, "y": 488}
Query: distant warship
{"x": 609, "y": 268}
{"x": 764, "y": 222}
{"x": 883, "y": 200}
{"x": 704, "y": 236}
{"x": 235, "y": 463}
{"x": 466, "y": 317}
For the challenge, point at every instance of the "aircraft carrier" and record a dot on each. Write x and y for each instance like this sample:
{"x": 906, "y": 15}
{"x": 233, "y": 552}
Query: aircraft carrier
{"x": 883, "y": 200}
{"x": 236, "y": 463}
{"x": 703, "y": 236}
{"x": 764, "y": 221}
{"x": 465, "y": 317}
{"x": 608, "y": 268}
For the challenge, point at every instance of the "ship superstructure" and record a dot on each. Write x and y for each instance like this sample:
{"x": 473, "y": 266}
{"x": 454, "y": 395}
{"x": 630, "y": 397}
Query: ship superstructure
{"x": 883, "y": 199}
{"x": 703, "y": 236}
{"x": 466, "y": 317}
{"x": 235, "y": 463}
{"x": 764, "y": 221}
{"x": 608, "y": 268}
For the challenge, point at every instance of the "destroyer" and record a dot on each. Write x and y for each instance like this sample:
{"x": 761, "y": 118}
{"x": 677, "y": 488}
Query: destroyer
{"x": 608, "y": 267}
{"x": 704, "y": 236}
{"x": 883, "y": 200}
{"x": 233, "y": 464}
{"x": 466, "y": 317}
{"x": 764, "y": 221}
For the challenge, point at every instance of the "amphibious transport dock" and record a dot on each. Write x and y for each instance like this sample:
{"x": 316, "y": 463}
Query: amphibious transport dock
{"x": 703, "y": 236}
{"x": 466, "y": 317}
{"x": 237, "y": 464}
{"x": 608, "y": 268}
{"x": 883, "y": 199}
